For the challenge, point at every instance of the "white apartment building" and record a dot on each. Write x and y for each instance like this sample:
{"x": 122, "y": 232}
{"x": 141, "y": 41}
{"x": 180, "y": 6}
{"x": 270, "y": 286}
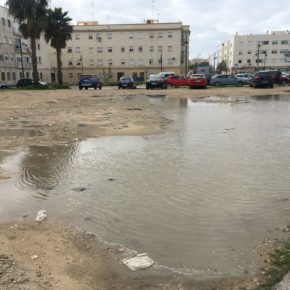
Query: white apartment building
{"x": 248, "y": 53}
{"x": 113, "y": 50}
{"x": 15, "y": 52}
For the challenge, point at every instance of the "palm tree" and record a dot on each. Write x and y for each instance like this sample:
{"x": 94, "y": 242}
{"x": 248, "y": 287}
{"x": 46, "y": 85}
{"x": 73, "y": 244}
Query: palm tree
{"x": 58, "y": 32}
{"x": 31, "y": 15}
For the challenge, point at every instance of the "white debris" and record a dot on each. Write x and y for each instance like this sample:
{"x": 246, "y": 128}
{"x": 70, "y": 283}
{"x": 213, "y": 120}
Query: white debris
{"x": 34, "y": 257}
{"x": 140, "y": 262}
{"x": 41, "y": 216}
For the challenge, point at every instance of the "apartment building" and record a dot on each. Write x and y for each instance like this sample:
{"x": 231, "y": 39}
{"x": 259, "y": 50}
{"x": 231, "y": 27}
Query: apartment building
{"x": 113, "y": 50}
{"x": 256, "y": 51}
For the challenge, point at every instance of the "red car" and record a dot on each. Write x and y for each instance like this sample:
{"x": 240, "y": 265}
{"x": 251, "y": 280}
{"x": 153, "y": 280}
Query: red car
{"x": 177, "y": 81}
{"x": 197, "y": 81}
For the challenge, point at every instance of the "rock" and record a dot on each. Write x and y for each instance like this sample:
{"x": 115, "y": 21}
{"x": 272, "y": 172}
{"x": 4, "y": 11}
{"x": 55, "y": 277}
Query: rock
{"x": 140, "y": 262}
{"x": 79, "y": 189}
{"x": 34, "y": 257}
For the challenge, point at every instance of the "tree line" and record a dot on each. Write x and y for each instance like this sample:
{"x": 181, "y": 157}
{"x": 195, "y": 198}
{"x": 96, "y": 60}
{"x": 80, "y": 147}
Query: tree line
{"x": 34, "y": 18}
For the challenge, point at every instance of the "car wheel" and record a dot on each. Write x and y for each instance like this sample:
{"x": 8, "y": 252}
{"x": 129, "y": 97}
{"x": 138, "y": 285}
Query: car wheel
{"x": 95, "y": 88}
{"x": 284, "y": 83}
{"x": 147, "y": 87}
{"x": 271, "y": 86}
{"x": 80, "y": 88}
{"x": 217, "y": 84}
{"x": 100, "y": 87}
{"x": 86, "y": 88}
{"x": 240, "y": 84}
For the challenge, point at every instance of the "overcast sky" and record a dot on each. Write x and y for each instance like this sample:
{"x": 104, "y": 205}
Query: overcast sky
{"x": 211, "y": 21}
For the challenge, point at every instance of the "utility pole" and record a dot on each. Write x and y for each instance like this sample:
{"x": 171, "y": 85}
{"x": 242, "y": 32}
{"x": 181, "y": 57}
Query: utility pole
{"x": 258, "y": 55}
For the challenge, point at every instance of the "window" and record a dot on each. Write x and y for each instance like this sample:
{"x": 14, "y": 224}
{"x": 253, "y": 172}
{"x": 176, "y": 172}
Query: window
{"x": 249, "y": 52}
{"x": 150, "y": 61}
{"x": 240, "y": 52}
{"x": 14, "y": 76}
{"x": 77, "y": 49}
{"x": 39, "y": 59}
{"x": 131, "y": 62}
{"x": 274, "y": 51}
{"x": 90, "y": 36}
{"x": 99, "y": 49}
{"x": 140, "y": 48}
{"x": 160, "y": 35}
{"x": 283, "y": 51}
{"x": 169, "y": 48}
{"x": 123, "y": 62}
{"x": 91, "y": 49}
{"x": 11, "y": 57}
{"x": 160, "y": 48}
{"x": 284, "y": 42}
{"x": 109, "y": 35}
{"x": 9, "y": 23}
{"x": 1, "y": 57}
{"x": 99, "y": 37}
{"x": 70, "y": 63}
{"x": 151, "y": 35}
{"x": 239, "y": 61}
{"x": 266, "y": 42}
{"x": 8, "y": 76}
{"x": 110, "y": 62}
{"x": 131, "y": 35}
{"x": 131, "y": 49}
{"x": 100, "y": 63}
{"x": 170, "y": 61}
{"x": 41, "y": 76}
{"x": 3, "y": 21}
{"x": 140, "y": 35}
{"x": 71, "y": 75}
{"x": 92, "y": 63}
{"x": 122, "y": 49}
{"x": 3, "y": 76}
{"x": 77, "y": 36}
{"x": 69, "y": 50}
{"x": 275, "y": 42}
{"x": 110, "y": 49}
{"x": 140, "y": 61}
{"x": 170, "y": 34}
{"x": 151, "y": 48}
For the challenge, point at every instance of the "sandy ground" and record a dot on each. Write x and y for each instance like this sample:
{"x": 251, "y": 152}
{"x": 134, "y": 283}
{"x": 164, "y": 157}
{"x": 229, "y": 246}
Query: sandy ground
{"x": 49, "y": 256}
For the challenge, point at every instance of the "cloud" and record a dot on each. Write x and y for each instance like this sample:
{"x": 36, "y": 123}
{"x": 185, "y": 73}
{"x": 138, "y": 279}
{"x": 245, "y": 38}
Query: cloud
{"x": 211, "y": 22}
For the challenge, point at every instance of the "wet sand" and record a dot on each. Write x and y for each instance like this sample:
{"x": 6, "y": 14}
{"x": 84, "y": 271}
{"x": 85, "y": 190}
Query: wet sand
{"x": 49, "y": 256}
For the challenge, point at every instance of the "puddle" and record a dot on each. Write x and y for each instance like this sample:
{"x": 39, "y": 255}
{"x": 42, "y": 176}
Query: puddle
{"x": 199, "y": 198}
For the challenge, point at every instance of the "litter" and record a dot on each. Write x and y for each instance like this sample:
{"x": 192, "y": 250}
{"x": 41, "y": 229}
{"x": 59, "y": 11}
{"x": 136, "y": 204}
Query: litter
{"x": 41, "y": 216}
{"x": 140, "y": 262}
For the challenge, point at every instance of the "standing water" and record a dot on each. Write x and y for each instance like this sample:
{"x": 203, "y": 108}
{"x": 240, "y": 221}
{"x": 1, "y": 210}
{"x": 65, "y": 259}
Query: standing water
{"x": 199, "y": 198}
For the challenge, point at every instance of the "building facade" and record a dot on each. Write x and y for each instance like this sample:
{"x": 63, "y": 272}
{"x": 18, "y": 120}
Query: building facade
{"x": 248, "y": 53}
{"x": 110, "y": 51}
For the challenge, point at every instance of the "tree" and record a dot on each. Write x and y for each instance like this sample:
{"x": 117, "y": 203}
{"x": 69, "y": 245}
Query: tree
{"x": 58, "y": 32}
{"x": 222, "y": 67}
{"x": 31, "y": 16}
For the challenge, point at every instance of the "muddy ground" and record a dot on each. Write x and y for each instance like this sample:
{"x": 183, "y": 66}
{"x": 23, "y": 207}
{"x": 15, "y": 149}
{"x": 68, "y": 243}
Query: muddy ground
{"x": 50, "y": 256}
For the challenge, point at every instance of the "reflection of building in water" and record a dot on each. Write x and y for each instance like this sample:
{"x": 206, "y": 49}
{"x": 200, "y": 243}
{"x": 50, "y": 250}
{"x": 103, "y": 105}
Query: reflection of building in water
{"x": 183, "y": 103}
{"x": 157, "y": 100}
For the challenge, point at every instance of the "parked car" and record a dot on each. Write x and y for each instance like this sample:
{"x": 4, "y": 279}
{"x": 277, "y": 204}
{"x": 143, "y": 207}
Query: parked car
{"x": 89, "y": 81}
{"x": 197, "y": 81}
{"x": 4, "y": 86}
{"x": 262, "y": 79}
{"x": 166, "y": 74}
{"x": 176, "y": 81}
{"x": 245, "y": 77}
{"x": 156, "y": 81}
{"x": 126, "y": 82}
{"x": 25, "y": 82}
{"x": 285, "y": 79}
{"x": 276, "y": 76}
{"x": 224, "y": 80}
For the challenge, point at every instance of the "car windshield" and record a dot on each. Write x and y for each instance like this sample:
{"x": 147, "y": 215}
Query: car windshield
{"x": 197, "y": 76}
{"x": 155, "y": 78}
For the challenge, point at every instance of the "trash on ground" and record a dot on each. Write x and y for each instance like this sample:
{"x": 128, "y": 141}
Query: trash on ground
{"x": 41, "y": 216}
{"x": 140, "y": 262}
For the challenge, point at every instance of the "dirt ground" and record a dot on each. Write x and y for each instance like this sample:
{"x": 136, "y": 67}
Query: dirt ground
{"x": 49, "y": 256}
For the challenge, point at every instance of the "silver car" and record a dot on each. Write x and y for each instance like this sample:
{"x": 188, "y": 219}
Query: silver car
{"x": 245, "y": 77}
{"x": 224, "y": 80}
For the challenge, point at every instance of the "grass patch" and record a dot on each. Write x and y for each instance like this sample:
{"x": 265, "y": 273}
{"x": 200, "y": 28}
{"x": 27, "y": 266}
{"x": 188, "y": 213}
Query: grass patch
{"x": 280, "y": 261}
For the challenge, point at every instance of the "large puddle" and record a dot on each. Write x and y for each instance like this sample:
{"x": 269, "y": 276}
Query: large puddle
{"x": 199, "y": 198}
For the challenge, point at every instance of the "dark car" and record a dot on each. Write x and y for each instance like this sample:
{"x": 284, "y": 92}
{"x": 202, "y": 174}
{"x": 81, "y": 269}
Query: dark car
{"x": 156, "y": 81}
{"x": 262, "y": 79}
{"x": 4, "y": 86}
{"x": 126, "y": 82}
{"x": 89, "y": 81}
{"x": 26, "y": 82}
